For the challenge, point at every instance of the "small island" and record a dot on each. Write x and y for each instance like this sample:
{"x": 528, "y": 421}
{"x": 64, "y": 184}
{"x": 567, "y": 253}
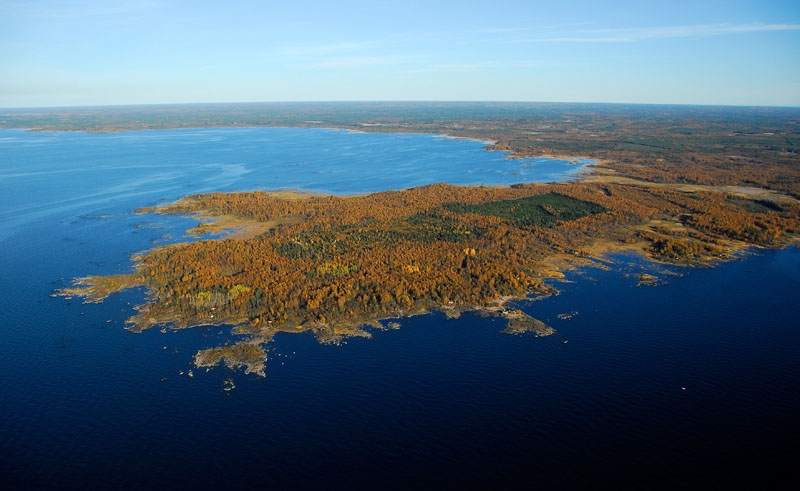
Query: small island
{"x": 294, "y": 262}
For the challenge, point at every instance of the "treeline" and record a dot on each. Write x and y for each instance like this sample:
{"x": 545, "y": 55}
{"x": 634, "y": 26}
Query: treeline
{"x": 544, "y": 210}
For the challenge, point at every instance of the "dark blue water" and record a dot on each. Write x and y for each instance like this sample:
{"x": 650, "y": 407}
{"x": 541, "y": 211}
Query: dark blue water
{"x": 694, "y": 382}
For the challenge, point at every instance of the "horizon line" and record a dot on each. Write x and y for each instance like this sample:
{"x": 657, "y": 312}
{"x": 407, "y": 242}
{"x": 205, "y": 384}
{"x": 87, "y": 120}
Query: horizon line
{"x": 390, "y": 101}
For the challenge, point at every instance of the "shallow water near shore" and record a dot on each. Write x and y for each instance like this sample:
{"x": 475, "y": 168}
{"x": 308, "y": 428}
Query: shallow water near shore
{"x": 642, "y": 385}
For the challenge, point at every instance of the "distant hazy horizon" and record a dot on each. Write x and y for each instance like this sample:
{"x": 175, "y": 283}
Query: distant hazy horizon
{"x": 343, "y": 103}
{"x": 73, "y": 53}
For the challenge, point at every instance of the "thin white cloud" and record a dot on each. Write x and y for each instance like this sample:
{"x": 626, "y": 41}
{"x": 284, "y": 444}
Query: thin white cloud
{"x": 340, "y": 55}
{"x": 635, "y": 34}
{"x": 68, "y": 9}
{"x": 502, "y": 30}
{"x": 350, "y": 62}
{"x": 533, "y": 27}
{"x": 449, "y": 68}
{"x": 319, "y": 50}
{"x": 472, "y": 67}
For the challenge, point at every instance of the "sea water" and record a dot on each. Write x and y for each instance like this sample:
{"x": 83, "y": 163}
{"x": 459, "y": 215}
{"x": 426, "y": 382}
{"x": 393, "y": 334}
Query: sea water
{"x": 694, "y": 381}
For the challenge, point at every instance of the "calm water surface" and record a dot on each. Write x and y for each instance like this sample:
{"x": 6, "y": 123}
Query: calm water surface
{"x": 691, "y": 382}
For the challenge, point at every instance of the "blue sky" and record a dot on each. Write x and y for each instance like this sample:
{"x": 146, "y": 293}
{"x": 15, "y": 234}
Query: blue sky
{"x": 88, "y": 52}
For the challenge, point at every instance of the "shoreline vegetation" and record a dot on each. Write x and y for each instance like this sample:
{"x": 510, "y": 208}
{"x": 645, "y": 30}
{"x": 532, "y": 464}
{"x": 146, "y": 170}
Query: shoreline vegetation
{"x": 296, "y": 262}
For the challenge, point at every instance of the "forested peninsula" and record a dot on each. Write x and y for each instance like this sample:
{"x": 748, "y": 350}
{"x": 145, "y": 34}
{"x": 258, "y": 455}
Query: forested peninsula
{"x": 333, "y": 264}
{"x": 680, "y": 189}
